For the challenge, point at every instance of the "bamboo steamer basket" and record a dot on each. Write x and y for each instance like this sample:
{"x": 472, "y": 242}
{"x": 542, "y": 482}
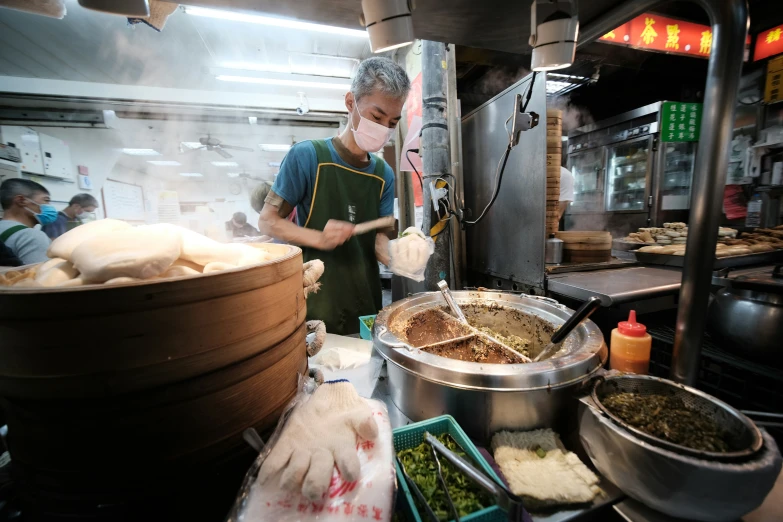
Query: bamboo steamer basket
{"x": 553, "y": 160}
{"x": 586, "y": 246}
{"x": 554, "y": 113}
{"x": 554, "y": 144}
{"x": 116, "y": 393}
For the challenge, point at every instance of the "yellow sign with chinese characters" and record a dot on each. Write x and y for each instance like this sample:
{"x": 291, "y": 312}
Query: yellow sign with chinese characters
{"x": 705, "y": 44}
{"x": 648, "y": 34}
{"x": 773, "y": 91}
{"x": 673, "y": 36}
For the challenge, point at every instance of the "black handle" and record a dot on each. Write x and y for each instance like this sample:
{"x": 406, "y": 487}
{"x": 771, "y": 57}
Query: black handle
{"x": 585, "y": 311}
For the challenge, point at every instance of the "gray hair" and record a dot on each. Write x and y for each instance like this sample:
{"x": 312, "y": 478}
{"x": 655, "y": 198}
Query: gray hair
{"x": 380, "y": 74}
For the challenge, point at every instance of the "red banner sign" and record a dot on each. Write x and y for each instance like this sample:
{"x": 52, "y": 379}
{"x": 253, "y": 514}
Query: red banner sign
{"x": 768, "y": 43}
{"x": 660, "y": 33}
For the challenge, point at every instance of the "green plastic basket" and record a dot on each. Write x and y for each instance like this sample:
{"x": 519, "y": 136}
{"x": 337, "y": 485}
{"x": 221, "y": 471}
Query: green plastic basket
{"x": 364, "y": 332}
{"x": 412, "y": 435}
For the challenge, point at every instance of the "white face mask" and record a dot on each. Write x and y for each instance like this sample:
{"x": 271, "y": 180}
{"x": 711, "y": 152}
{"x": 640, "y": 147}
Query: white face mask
{"x": 370, "y": 136}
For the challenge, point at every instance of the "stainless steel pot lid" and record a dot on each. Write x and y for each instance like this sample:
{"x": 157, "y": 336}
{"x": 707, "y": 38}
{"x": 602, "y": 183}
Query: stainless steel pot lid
{"x": 583, "y": 352}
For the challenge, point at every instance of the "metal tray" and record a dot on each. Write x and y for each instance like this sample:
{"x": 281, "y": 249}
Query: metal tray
{"x": 720, "y": 262}
{"x": 624, "y": 246}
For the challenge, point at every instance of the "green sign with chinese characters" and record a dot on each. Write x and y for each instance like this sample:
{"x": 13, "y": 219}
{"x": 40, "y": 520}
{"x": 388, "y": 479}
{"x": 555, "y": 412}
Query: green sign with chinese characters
{"x": 680, "y": 121}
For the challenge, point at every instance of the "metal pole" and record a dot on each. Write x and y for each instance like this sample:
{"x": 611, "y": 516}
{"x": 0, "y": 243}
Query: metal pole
{"x": 455, "y": 126}
{"x": 436, "y": 158}
{"x": 729, "y": 19}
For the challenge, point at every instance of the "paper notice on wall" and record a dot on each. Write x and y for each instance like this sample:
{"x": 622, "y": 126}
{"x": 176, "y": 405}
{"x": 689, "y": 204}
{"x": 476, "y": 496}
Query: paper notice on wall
{"x": 168, "y": 207}
{"x": 411, "y": 161}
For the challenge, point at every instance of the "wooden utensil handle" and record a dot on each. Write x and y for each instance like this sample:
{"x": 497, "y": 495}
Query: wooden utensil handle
{"x": 363, "y": 228}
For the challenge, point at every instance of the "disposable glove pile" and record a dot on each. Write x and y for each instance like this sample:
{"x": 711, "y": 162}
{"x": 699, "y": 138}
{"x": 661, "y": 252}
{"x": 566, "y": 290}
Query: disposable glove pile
{"x": 410, "y": 253}
{"x": 331, "y": 462}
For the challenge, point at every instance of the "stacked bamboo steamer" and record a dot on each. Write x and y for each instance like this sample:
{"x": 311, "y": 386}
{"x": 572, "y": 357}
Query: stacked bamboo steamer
{"x": 586, "y": 246}
{"x": 121, "y": 397}
{"x": 554, "y": 150}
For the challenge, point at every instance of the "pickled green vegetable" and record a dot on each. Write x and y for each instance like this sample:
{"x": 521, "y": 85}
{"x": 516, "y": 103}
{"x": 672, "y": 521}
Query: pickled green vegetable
{"x": 369, "y": 322}
{"x": 667, "y": 418}
{"x": 421, "y": 467}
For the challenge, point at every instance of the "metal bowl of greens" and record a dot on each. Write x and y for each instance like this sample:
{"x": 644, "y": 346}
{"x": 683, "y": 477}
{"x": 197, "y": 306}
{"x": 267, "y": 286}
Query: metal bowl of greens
{"x": 677, "y": 418}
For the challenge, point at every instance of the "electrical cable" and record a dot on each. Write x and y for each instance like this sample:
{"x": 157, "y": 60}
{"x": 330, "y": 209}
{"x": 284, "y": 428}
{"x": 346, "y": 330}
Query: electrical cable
{"x": 504, "y": 158}
{"x": 421, "y": 182}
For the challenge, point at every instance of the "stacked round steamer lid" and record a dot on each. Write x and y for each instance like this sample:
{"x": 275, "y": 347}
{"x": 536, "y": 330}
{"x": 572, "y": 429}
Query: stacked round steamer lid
{"x": 554, "y": 149}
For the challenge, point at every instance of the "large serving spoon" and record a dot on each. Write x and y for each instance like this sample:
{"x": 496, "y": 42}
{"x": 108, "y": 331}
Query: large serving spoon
{"x": 460, "y": 316}
{"x": 585, "y": 311}
{"x": 368, "y": 226}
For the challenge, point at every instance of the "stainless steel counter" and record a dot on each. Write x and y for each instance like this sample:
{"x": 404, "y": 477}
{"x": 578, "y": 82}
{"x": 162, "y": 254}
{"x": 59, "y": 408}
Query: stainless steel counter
{"x": 616, "y": 286}
{"x": 622, "y": 285}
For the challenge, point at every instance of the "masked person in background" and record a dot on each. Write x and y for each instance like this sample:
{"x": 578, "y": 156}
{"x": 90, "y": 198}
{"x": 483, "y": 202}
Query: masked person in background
{"x": 239, "y": 227}
{"x": 336, "y": 183}
{"x": 71, "y": 216}
{"x": 25, "y": 204}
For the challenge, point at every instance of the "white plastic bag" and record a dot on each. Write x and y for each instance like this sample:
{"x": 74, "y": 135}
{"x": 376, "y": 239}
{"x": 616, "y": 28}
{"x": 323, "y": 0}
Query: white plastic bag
{"x": 370, "y": 498}
{"x": 410, "y": 253}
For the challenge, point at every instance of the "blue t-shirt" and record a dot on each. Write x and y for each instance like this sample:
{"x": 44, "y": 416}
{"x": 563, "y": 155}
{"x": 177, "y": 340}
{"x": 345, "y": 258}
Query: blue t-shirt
{"x": 296, "y": 180}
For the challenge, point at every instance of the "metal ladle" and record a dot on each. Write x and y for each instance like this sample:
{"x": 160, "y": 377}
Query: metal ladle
{"x": 453, "y": 306}
{"x": 585, "y": 311}
{"x": 460, "y": 316}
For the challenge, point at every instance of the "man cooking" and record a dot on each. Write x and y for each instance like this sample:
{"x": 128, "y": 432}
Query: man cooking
{"x": 336, "y": 183}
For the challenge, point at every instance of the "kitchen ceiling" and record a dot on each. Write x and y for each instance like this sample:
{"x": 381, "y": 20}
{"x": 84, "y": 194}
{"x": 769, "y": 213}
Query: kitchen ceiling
{"x": 166, "y": 138}
{"x": 88, "y": 46}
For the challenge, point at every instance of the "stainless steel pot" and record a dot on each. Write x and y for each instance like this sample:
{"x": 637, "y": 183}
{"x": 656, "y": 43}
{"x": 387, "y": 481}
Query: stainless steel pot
{"x": 681, "y": 486}
{"x": 485, "y": 398}
{"x": 747, "y": 317}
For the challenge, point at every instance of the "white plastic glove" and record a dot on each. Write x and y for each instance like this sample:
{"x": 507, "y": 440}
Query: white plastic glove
{"x": 410, "y": 253}
{"x": 320, "y": 433}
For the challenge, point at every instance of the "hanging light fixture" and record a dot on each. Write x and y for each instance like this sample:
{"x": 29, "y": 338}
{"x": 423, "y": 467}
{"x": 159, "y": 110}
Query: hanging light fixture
{"x": 389, "y": 24}
{"x": 554, "y": 39}
{"x": 133, "y": 8}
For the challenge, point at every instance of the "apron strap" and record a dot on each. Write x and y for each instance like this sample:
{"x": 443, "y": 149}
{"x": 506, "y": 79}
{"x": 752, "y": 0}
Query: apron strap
{"x": 322, "y": 152}
{"x": 10, "y": 232}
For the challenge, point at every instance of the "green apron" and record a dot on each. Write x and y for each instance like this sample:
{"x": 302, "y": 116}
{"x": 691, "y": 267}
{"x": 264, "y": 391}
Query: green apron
{"x": 351, "y": 284}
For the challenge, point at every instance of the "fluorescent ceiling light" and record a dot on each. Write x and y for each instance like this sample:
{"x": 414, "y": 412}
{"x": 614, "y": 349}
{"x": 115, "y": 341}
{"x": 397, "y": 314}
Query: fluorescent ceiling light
{"x": 553, "y": 86}
{"x": 191, "y": 174}
{"x": 274, "y": 163}
{"x": 191, "y": 144}
{"x": 141, "y": 152}
{"x": 232, "y": 174}
{"x": 284, "y": 83}
{"x": 274, "y": 22}
{"x": 164, "y": 163}
{"x": 261, "y": 67}
{"x": 274, "y": 147}
{"x": 225, "y": 163}
{"x": 329, "y": 72}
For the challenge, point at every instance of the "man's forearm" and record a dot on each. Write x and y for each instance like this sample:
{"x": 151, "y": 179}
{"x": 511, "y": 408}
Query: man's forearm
{"x": 284, "y": 230}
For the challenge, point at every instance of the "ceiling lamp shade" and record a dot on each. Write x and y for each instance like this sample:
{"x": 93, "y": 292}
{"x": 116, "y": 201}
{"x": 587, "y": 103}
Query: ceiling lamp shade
{"x": 553, "y": 40}
{"x": 389, "y": 24}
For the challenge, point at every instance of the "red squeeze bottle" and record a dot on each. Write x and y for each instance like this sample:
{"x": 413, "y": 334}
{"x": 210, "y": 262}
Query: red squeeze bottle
{"x": 630, "y": 347}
